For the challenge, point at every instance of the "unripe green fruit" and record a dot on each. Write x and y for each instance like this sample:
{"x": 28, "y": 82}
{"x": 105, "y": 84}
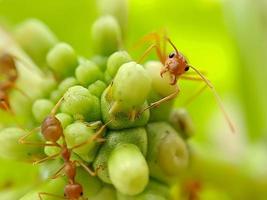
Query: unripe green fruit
{"x": 62, "y": 60}
{"x": 78, "y": 133}
{"x": 41, "y": 109}
{"x": 108, "y": 78}
{"x": 116, "y": 60}
{"x": 128, "y": 169}
{"x": 87, "y": 73}
{"x": 161, "y": 85}
{"x": 120, "y": 119}
{"x": 106, "y": 35}
{"x": 36, "y": 39}
{"x": 136, "y": 136}
{"x": 11, "y": 149}
{"x": 131, "y": 85}
{"x": 97, "y": 88}
{"x": 80, "y": 103}
{"x": 167, "y": 152}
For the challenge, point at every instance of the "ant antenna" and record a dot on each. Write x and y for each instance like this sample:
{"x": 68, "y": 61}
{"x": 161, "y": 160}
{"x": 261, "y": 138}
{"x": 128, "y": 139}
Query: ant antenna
{"x": 217, "y": 97}
{"x": 168, "y": 39}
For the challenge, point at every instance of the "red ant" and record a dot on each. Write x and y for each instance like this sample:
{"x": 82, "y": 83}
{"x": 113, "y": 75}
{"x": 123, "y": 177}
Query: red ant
{"x": 8, "y": 68}
{"x": 177, "y": 65}
{"x": 52, "y": 131}
{"x": 191, "y": 189}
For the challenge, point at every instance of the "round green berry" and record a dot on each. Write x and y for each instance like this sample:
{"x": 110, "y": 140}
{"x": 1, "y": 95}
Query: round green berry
{"x": 41, "y": 109}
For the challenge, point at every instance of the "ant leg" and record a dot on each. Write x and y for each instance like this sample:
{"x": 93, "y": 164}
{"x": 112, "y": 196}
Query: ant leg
{"x": 92, "y": 138}
{"x": 46, "y": 158}
{"x": 191, "y": 78}
{"x": 157, "y": 103}
{"x": 23, "y": 141}
{"x": 217, "y": 97}
{"x": 148, "y": 50}
{"x": 189, "y": 100}
{"x": 155, "y": 37}
{"x": 5, "y": 106}
{"x": 54, "y": 110}
{"x": 40, "y": 194}
{"x": 87, "y": 169}
{"x": 57, "y": 173}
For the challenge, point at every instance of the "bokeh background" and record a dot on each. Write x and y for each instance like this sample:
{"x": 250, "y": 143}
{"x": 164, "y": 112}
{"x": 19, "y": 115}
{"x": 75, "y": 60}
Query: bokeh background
{"x": 224, "y": 38}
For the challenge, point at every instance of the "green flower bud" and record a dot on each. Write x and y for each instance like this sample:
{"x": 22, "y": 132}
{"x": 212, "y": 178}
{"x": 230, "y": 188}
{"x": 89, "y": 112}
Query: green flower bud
{"x": 77, "y": 133}
{"x": 106, "y": 35}
{"x": 55, "y": 96}
{"x": 62, "y": 59}
{"x": 154, "y": 190}
{"x": 118, "y": 8}
{"x": 64, "y": 119}
{"x": 116, "y": 60}
{"x": 136, "y": 136}
{"x": 122, "y": 119}
{"x": 79, "y": 102}
{"x": 100, "y": 61}
{"x": 167, "y": 152}
{"x": 62, "y": 88}
{"x": 36, "y": 39}
{"x": 108, "y": 77}
{"x": 128, "y": 169}
{"x": 41, "y": 109}
{"x": 11, "y": 149}
{"x": 182, "y": 122}
{"x": 91, "y": 184}
{"x": 162, "y": 112}
{"x": 161, "y": 85}
{"x": 107, "y": 192}
{"x": 131, "y": 86}
{"x": 97, "y": 88}
{"x": 54, "y": 186}
{"x": 66, "y": 84}
{"x": 87, "y": 73}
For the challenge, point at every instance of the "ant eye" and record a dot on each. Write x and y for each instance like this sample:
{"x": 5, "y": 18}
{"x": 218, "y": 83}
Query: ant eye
{"x": 171, "y": 55}
{"x": 81, "y": 193}
{"x": 186, "y": 69}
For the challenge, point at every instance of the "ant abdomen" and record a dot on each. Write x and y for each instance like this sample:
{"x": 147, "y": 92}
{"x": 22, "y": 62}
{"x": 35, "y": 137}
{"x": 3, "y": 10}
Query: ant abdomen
{"x": 51, "y": 129}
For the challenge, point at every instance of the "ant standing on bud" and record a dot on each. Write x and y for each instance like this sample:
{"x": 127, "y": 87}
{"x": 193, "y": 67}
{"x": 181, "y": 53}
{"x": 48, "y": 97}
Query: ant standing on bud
{"x": 176, "y": 66}
{"x": 52, "y": 131}
{"x": 9, "y": 70}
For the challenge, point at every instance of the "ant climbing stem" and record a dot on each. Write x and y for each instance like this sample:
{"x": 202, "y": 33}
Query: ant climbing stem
{"x": 176, "y": 66}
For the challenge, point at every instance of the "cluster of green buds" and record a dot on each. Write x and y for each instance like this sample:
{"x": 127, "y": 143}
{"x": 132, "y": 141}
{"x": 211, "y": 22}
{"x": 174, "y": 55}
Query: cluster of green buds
{"x": 143, "y": 152}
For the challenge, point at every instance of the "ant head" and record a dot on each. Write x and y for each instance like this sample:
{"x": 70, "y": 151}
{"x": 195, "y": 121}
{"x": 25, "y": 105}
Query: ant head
{"x": 73, "y": 191}
{"x": 51, "y": 129}
{"x": 176, "y": 64}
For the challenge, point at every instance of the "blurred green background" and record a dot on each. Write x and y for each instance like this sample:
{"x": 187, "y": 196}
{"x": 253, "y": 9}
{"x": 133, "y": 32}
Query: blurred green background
{"x": 226, "y": 39}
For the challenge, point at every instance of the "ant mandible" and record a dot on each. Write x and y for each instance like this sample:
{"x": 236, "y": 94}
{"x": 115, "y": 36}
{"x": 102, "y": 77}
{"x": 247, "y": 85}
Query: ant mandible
{"x": 177, "y": 65}
{"x": 52, "y": 131}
